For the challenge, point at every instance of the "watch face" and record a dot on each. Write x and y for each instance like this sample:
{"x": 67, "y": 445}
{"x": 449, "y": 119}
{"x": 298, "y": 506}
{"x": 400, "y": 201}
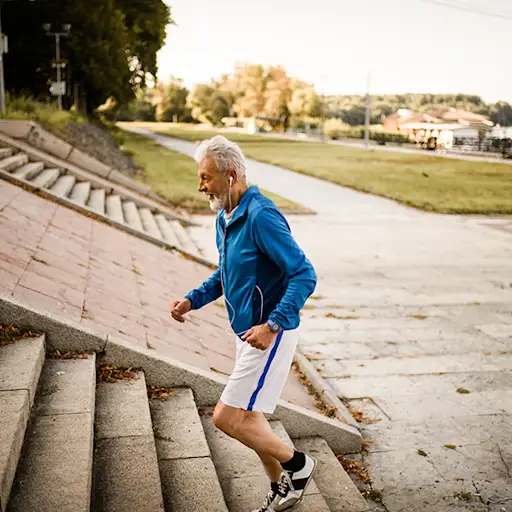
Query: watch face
{"x": 275, "y": 327}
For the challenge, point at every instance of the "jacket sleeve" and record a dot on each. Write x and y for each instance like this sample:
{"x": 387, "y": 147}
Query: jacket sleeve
{"x": 209, "y": 291}
{"x": 273, "y": 238}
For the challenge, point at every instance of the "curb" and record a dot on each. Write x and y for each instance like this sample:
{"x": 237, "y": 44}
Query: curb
{"x": 327, "y": 395}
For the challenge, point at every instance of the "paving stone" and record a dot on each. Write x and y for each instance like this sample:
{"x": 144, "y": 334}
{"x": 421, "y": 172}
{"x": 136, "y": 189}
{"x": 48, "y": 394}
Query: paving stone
{"x": 440, "y": 497}
{"x": 338, "y": 351}
{"x": 394, "y": 469}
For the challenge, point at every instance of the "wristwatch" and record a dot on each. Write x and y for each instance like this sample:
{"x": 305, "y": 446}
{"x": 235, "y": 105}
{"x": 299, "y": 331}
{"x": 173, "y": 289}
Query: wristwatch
{"x": 274, "y": 326}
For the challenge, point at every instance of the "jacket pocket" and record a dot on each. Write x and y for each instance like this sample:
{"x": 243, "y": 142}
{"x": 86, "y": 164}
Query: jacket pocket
{"x": 257, "y": 305}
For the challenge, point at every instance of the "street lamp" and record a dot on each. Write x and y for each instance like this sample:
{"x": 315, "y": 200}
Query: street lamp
{"x": 58, "y": 88}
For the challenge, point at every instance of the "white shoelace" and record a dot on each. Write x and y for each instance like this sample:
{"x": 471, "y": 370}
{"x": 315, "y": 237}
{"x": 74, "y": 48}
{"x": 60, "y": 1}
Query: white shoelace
{"x": 285, "y": 483}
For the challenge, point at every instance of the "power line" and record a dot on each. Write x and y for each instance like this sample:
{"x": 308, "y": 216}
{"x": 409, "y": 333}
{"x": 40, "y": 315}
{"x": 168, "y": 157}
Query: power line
{"x": 472, "y": 9}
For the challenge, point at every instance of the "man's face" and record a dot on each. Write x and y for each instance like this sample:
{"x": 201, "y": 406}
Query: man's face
{"x": 213, "y": 184}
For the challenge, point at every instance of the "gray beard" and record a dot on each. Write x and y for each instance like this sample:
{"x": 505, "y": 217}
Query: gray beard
{"x": 219, "y": 203}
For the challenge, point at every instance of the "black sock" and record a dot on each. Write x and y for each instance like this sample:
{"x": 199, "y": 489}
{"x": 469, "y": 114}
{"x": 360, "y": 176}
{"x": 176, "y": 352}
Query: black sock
{"x": 296, "y": 463}
{"x": 274, "y": 487}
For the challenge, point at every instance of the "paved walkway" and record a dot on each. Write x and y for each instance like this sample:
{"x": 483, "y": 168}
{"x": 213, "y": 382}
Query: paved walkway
{"x": 54, "y": 259}
{"x": 410, "y": 308}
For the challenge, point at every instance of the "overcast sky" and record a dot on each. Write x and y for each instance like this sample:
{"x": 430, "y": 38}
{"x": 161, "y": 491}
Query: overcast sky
{"x": 407, "y": 45}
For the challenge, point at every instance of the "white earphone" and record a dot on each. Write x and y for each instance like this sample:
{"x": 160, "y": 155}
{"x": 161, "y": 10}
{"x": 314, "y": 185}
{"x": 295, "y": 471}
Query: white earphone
{"x": 231, "y": 181}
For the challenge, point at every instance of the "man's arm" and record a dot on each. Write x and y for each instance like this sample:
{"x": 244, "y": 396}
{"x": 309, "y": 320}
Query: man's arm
{"x": 209, "y": 291}
{"x": 273, "y": 237}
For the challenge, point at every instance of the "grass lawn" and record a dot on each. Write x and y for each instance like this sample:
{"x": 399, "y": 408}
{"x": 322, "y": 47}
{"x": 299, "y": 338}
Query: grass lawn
{"x": 174, "y": 176}
{"x": 423, "y": 181}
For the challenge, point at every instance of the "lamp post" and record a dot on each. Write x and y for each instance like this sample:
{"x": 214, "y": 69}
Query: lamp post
{"x": 59, "y": 88}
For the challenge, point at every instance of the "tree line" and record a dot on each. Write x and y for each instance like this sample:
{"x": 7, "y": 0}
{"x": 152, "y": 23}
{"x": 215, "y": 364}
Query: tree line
{"x": 110, "y": 51}
{"x": 256, "y": 90}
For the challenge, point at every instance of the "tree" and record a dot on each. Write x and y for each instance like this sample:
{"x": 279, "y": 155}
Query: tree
{"x": 277, "y": 92}
{"x": 208, "y": 105}
{"x": 304, "y": 102}
{"x": 109, "y": 52}
{"x": 501, "y": 113}
{"x": 170, "y": 101}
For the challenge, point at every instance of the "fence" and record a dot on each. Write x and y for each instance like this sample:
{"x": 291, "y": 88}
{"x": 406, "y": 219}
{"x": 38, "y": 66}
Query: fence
{"x": 487, "y": 145}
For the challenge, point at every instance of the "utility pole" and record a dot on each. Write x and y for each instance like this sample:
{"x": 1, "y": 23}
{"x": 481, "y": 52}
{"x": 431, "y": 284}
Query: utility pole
{"x": 368, "y": 106}
{"x": 58, "y": 88}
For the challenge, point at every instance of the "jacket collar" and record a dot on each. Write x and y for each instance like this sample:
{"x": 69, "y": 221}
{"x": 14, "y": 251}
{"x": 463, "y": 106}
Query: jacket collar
{"x": 242, "y": 205}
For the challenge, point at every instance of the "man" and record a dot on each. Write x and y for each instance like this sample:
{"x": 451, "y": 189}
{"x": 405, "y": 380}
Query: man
{"x": 265, "y": 279}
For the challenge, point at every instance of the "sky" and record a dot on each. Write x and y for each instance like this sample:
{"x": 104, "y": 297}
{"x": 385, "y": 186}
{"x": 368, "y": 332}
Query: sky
{"x": 403, "y": 45}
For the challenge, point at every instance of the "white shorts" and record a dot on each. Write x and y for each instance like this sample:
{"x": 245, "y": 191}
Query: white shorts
{"x": 259, "y": 376}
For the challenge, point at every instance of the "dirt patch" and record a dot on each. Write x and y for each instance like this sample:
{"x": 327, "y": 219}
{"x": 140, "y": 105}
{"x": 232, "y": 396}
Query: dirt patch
{"x": 99, "y": 143}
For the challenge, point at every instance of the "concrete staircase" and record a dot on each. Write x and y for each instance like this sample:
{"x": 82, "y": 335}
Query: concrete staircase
{"x": 97, "y": 196}
{"x": 68, "y": 443}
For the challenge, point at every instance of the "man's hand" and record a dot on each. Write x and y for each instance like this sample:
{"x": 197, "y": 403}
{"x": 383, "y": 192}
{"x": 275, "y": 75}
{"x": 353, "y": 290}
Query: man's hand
{"x": 178, "y": 308}
{"x": 259, "y": 336}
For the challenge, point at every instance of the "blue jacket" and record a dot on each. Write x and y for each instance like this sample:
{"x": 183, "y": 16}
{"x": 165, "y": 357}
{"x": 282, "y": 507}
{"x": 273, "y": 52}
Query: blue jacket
{"x": 257, "y": 250}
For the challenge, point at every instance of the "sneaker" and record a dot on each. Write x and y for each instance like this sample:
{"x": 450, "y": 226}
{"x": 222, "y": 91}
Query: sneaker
{"x": 292, "y": 485}
{"x": 267, "y": 504}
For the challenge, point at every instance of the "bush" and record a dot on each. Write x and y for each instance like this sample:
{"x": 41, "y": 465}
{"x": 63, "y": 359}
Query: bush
{"x": 382, "y": 137}
{"x": 336, "y": 128}
{"x": 48, "y": 115}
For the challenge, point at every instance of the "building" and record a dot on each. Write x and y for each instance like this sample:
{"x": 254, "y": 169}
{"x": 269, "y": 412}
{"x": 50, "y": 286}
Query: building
{"x": 440, "y": 126}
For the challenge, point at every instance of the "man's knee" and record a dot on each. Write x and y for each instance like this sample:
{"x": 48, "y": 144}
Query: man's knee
{"x": 227, "y": 419}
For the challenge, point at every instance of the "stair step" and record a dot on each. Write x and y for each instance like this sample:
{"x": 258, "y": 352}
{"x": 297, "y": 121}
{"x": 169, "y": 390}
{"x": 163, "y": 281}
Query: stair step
{"x": 186, "y": 243}
{"x": 242, "y": 476}
{"x": 149, "y": 223}
{"x": 20, "y": 368}
{"x": 126, "y": 475}
{"x": 97, "y": 200}
{"x": 55, "y": 472}
{"x": 28, "y": 171}
{"x": 80, "y": 192}
{"x": 114, "y": 209}
{"x": 13, "y": 162}
{"x": 189, "y": 479}
{"x": 47, "y": 178}
{"x": 63, "y": 185}
{"x": 131, "y": 214}
{"x": 167, "y": 231}
{"x": 337, "y": 488}
{"x": 6, "y": 152}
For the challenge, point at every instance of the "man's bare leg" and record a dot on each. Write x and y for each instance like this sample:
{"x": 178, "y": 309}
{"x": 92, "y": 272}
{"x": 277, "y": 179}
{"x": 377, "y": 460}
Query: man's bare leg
{"x": 253, "y": 430}
{"x": 272, "y": 466}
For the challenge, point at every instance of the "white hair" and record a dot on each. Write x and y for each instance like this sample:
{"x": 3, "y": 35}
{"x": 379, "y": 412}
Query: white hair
{"x": 227, "y": 155}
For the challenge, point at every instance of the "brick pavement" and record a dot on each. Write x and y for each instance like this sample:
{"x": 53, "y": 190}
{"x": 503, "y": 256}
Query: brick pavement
{"x": 55, "y": 259}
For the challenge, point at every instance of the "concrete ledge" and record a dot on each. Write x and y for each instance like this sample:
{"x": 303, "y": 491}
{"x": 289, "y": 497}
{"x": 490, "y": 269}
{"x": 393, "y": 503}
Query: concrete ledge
{"x": 326, "y": 393}
{"x": 48, "y": 142}
{"x": 115, "y": 176}
{"x": 83, "y": 160}
{"x": 17, "y": 129}
{"x": 60, "y": 334}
